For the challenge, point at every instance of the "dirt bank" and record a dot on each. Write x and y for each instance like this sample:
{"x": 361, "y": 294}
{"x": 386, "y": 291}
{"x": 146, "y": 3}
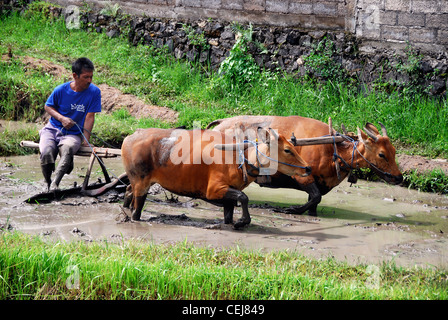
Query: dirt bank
{"x": 421, "y": 164}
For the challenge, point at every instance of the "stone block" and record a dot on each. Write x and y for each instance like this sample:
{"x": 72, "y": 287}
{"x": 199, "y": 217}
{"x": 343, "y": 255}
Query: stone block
{"x": 254, "y": 5}
{"x": 325, "y": 8}
{"x": 388, "y": 17}
{"x": 279, "y": 6}
{"x": 300, "y": 7}
{"x": 411, "y": 19}
{"x": 437, "y": 20}
{"x": 395, "y": 33}
{"x": 366, "y": 3}
{"x": 192, "y": 3}
{"x": 232, "y": 4}
{"x": 443, "y": 6}
{"x": 158, "y": 2}
{"x": 368, "y": 33}
{"x": 398, "y": 5}
{"x": 213, "y": 4}
{"x": 422, "y": 35}
{"x": 443, "y": 37}
{"x": 425, "y": 6}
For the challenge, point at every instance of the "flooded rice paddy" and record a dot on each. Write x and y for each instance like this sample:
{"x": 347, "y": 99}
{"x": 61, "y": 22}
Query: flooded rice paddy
{"x": 369, "y": 222}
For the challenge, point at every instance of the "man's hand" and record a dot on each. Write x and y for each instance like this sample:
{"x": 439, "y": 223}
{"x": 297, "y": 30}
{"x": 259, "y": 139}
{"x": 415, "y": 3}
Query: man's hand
{"x": 85, "y": 144}
{"x": 67, "y": 123}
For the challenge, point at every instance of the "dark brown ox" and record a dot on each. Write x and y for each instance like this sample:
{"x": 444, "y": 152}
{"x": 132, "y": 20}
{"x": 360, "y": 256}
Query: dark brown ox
{"x": 369, "y": 150}
{"x": 196, "y": 164}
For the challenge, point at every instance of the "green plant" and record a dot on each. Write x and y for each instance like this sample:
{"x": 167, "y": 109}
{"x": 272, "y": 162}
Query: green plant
{"x": 239, "y": 69}
{"x": 433, "y": 181}
{"x": 41, "y": 10}
{"x": 408, "y": 75}
{"x": 111, "y": 9}
{"x": 195, "y": 38}
{"x": 411, "y": 62}
{"x": 321, "y": 62}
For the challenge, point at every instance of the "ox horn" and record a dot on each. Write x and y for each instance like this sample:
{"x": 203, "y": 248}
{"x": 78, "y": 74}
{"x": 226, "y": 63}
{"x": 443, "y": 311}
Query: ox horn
{"x": 232, "y": 146}
{"x": 360, "y": 135}
{"x": 383, "y": 129}
{"x": 344, "y": 129}
{"x": 370, "y": 133}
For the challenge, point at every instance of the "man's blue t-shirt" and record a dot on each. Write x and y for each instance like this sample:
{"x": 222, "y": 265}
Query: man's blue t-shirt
{"x": 74, "y": 105}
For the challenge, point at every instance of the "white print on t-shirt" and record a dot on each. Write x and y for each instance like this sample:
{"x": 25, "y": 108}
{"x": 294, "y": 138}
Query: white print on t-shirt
{"x": 79, "y": 107}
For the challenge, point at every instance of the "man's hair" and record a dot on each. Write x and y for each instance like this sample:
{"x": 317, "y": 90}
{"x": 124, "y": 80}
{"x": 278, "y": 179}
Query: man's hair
{"x": 82, "y": 64}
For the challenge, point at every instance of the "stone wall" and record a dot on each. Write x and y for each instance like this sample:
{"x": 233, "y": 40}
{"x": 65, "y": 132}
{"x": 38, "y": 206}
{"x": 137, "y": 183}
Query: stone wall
{"x": 379, "y": 23}
{"x": 397, "y": 43}
{"x": 394, "y": 23}
{"x": 321, "y": 14}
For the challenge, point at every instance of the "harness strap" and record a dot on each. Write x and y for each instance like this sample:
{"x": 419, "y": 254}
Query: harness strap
{"x": 355, "y": 144}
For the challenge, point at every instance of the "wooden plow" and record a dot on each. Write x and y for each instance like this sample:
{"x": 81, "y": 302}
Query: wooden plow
{"x": 92, "y": 190}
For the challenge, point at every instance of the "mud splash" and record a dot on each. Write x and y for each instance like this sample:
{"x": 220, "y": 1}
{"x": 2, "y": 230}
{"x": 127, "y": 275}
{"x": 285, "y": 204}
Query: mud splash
{"x": 363, "y": 223}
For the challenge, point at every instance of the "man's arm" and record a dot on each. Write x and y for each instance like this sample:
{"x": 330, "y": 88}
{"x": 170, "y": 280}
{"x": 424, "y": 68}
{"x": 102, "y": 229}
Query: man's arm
{"x": 88, "y": 126}
{"x": 67, "y": 123}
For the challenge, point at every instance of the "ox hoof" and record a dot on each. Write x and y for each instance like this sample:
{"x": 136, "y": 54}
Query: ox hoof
{"x": 136, "y": 217}
{"x": 295, "y": 210}
{"x": 240, "y": 224}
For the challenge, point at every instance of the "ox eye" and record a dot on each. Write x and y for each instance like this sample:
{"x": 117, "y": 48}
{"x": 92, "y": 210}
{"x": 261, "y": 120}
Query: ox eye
{"x": 288, "y": 151}
{"x": 381, "y": 155}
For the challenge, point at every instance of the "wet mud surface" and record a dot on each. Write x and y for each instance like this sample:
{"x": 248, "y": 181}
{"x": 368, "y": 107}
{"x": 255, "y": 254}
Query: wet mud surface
{"x": 369, "y": 222}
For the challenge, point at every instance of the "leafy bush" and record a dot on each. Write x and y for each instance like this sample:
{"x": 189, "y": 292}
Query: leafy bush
{"x": 321, "y": 62}
{"x": 239, "y": 69}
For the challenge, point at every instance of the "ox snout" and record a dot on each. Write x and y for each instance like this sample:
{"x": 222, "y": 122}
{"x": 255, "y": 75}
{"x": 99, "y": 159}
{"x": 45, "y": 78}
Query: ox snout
{"x": 396, "y": 179}
{"x": 307, "y": 172}
{"x": 393, "y": 179}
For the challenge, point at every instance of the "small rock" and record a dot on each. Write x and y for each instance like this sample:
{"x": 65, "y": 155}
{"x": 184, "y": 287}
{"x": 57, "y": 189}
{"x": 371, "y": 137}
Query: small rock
{"x": 389, "y": 199}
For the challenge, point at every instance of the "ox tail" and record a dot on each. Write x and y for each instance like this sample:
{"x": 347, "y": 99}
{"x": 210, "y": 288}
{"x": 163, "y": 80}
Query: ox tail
{"x": 213, "y": 123}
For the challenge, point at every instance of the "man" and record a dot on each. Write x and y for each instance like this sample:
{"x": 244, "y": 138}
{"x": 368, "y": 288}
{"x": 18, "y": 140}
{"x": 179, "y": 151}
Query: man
{"x": 72, "y": 107}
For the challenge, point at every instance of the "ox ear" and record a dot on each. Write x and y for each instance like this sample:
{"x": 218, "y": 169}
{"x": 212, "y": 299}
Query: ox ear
{"x": 363, "y": 137}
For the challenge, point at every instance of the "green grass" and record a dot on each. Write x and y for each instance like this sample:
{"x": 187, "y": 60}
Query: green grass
{"x": 10, "y": 141}
{"x": 31, "y": 268}
{"x": 433, "y": 181}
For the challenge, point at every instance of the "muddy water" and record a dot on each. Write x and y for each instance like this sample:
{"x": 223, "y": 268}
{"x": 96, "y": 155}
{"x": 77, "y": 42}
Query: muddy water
{"x": 364, "y": 223}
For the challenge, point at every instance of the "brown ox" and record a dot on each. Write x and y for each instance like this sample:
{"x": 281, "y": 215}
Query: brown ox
{"x": 371, "y": 150}
{"x": 190, "y": 163}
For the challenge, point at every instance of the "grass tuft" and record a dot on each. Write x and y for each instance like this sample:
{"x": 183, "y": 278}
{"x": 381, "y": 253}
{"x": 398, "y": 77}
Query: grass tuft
{"x": 32, "y": 268}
